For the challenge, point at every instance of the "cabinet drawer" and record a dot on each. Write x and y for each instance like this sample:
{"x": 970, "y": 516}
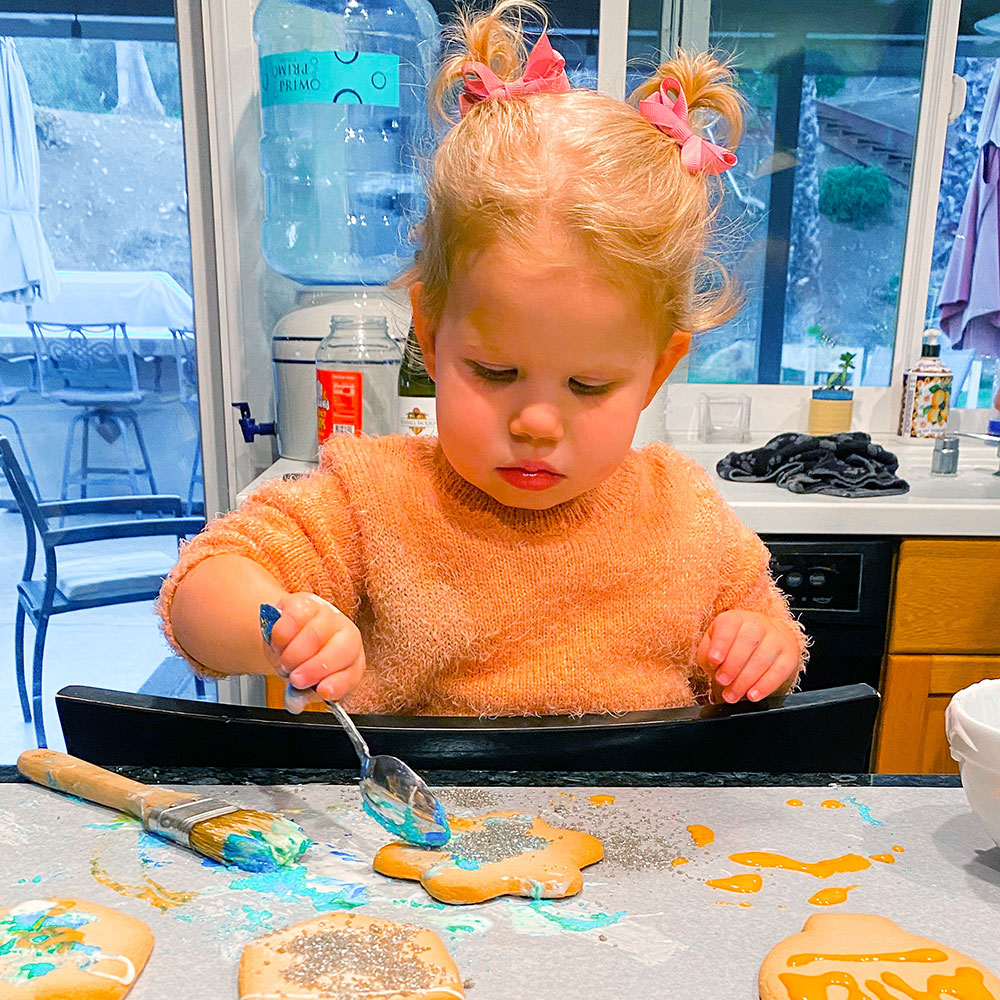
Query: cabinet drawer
{"x": 947, "y": 597}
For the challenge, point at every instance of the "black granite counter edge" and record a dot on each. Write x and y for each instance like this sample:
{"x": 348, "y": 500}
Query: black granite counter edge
{"x": 589, "y": 779}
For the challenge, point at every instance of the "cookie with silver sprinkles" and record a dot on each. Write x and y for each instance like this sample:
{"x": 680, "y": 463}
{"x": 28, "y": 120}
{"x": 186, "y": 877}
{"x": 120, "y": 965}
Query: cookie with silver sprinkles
{"x": 350, "y": 957}
{"x": 496, "y": 854}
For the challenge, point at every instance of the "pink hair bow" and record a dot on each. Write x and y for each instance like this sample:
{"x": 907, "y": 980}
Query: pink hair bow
{"x": 545, "y": 70}
{"x": 670, "y": 115}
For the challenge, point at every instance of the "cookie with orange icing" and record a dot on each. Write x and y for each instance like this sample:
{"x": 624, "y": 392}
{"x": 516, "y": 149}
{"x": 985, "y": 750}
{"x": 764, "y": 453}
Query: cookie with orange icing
{"x": 496, "y": 854}
{"x": 53, "y": 949}
{"x": 867, "y": 957}
{"x": 349, "y": 955}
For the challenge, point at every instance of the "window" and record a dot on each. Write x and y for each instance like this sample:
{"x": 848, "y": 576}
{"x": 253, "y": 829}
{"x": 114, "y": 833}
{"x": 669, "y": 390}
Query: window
{"x": 814, "y": 214}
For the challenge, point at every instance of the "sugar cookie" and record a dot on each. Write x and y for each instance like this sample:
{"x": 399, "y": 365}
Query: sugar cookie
{"x": 497, "y": 854}
{"x": 351, "y": 957}
{"x": 52, "y": 949}
{"x": 864, "y": 957}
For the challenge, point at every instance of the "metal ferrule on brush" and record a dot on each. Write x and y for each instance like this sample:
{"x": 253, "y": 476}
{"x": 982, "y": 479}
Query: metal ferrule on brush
{"x": 176, "y": 822}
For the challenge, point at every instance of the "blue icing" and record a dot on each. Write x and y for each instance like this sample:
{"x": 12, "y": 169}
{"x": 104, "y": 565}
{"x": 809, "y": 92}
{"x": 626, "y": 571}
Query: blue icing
{"x": 296, "y": 883}
{"x": 35, "y": 969}
{"x": 407, "y": 828}
{"x": 864, "y": 812}
{"x": 466, "y": 864}
{"x": 255, "y": 851}
{"x": 582, "y": 922}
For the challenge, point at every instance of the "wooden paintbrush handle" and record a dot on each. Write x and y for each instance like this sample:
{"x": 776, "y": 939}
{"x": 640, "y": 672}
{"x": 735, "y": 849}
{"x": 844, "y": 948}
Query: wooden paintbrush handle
{"x": 88, "y": 781}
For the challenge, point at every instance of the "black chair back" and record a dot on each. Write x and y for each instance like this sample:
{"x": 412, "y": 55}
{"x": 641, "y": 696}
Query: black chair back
{"x": 815, "y": 731}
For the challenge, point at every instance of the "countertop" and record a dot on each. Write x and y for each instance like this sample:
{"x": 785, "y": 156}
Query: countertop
{"x": 966, "y": 505}
{"x": 643, "y": 925}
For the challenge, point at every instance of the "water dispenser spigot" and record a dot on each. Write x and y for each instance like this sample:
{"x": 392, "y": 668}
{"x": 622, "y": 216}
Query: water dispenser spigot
{"x": 249, "y": 426}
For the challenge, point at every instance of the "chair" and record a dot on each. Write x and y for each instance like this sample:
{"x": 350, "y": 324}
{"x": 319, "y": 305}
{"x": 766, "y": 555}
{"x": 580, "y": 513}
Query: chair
{"x": 9, "y": 396}
{"x": 187, "y": 393}
{"x": 90, "y": 366}
{"x": 84, "y": 582}
{"x": 826, "y": 731}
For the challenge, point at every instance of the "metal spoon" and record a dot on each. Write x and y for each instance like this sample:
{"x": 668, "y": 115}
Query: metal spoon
{"x": 392, "y": 793}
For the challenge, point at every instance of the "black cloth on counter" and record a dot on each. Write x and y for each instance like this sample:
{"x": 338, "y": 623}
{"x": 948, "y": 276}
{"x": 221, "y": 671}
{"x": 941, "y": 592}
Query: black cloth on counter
{"x": 841, "y": 465}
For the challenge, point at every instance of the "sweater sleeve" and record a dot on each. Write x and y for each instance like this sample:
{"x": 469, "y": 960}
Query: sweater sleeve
{"x": 745, "y": 581}
{"x": 302, "y": 532}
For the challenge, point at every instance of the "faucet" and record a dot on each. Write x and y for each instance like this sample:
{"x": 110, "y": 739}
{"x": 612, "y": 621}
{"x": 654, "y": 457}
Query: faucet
{"x": 988, "y": 438}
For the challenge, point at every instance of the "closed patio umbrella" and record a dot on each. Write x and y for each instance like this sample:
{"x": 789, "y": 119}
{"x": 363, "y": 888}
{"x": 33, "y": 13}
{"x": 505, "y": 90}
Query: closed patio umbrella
{"x": 970, "y": 295}
{"x": 26, "y": 268}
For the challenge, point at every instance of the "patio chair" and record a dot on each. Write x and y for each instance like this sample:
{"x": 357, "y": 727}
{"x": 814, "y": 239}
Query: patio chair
{"x": 9, "y": 396}
{"x": 98, "y": 580}
{"x": 91, "y": 367}
{"x": 187, "y": 393}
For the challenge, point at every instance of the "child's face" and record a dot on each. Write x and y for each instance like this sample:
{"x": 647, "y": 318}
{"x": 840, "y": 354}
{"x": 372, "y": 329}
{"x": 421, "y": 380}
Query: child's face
{"x": 541, "y": 374}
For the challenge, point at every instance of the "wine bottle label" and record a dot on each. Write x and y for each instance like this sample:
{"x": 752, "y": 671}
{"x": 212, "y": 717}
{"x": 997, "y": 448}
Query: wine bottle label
{"x": 338, "y": 403}
{"x": 417, "y": 416}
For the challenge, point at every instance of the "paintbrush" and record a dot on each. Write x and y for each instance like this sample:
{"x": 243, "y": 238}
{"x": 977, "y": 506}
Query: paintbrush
{"x": 248, "y": 838}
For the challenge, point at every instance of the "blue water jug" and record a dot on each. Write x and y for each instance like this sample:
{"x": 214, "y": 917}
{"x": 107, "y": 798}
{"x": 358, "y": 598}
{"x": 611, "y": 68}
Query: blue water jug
{"x": 343, "y": 87}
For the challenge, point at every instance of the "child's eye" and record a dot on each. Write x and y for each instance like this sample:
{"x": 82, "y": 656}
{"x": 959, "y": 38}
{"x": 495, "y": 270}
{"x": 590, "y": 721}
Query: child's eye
{"x": 502, "y": 375}
{"x": 590, "y": 389}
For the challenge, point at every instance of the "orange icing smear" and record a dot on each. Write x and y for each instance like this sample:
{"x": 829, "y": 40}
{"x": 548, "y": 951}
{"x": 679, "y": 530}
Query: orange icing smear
{"x": 830, "y": 897}
{"x": 701, "y": 835}
{"x": 794, "y": 803}
{"x": 831, "y": 804}
{"x": 965, "y": 984}
{"x": 601, "y": 800}
{"x": 886, "y": 859}
{"x": 898, "y": 849}
{"x": 914, "y": 955}
{"x": 678, "y": 861}
{"x": 820, "y": 869}
{"x": 738, "y": 883}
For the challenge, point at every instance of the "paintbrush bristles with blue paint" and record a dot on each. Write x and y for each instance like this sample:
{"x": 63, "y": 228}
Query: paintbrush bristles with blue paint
{"x": 247, "y": 838}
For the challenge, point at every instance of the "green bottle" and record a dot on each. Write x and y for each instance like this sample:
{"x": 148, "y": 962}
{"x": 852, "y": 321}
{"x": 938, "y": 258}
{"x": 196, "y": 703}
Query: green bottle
{"x": 417, "y": 416}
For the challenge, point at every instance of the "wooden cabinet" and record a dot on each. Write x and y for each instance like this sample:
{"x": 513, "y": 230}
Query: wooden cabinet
{"x": 944, "y": 634}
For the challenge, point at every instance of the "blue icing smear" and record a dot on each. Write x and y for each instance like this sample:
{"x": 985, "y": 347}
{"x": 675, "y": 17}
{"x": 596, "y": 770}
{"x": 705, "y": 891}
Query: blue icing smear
{"x": 407, "y": 828}
{"x": 864, "y": 812}
{"x": 266, "y": 851}
{"x": 583, "y": 922}
{"x": 296, "y": 883}
{"x": 257, "y": 920}
{"x": 35, "y": 969}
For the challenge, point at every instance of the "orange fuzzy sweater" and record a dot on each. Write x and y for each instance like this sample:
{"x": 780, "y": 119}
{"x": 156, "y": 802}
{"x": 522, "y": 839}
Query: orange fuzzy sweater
{"x": 470, "y": 607}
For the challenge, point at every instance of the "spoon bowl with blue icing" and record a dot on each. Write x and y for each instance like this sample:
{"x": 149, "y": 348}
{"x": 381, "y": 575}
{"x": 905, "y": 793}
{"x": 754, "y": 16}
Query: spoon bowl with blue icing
{"x": 393, "y": 794}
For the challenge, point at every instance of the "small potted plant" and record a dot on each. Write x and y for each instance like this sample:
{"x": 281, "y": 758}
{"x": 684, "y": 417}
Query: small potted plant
{"x": 832, "y": 405}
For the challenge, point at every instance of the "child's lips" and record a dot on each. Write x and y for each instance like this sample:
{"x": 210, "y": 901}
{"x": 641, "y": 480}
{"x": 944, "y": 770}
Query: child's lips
{"x": 530, "y": 476}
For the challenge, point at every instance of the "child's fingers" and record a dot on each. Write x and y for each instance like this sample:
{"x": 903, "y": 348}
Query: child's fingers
{"x": 336, "y": 686}
{"x": 744, "y": 644}
{"x": 338, "y": 653}
{"x": 296, "y": 611}
{"x": 760, "y": 661}
{"x": 776, "y": 675}
{"x": 306, "y": 644}
{"x": 721, "y": 635}
{"x": 701, "y": 655}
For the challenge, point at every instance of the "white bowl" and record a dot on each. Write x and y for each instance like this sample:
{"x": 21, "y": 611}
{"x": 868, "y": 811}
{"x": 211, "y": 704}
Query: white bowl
{"x": 972, "y": 722}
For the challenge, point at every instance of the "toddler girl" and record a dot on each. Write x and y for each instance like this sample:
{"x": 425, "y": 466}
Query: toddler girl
{"x": 525, "y": 562}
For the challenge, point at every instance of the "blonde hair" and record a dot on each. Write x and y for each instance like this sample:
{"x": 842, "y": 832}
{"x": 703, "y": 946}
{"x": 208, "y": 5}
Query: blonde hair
{"x": 579, "y": 163}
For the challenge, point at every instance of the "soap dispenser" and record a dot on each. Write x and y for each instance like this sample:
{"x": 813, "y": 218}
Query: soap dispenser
{"x": 926, "y": 392}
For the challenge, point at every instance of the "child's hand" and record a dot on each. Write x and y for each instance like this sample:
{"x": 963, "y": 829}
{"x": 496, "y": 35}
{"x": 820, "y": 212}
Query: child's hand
{"x": 317, "y": 646}
{"x": 749, "y": 654}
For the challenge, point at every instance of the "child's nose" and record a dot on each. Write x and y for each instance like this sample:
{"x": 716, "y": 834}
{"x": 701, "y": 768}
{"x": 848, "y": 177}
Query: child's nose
{"x": 537, "y": 422}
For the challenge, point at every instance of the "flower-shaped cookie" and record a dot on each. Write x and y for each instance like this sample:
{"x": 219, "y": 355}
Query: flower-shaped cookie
{"x": 497, "y": 854}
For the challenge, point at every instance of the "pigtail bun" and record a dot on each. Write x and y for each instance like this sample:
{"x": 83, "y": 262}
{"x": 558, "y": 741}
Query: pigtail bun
{"x": 708, "y": 85}
{"x": 494, "y": 38}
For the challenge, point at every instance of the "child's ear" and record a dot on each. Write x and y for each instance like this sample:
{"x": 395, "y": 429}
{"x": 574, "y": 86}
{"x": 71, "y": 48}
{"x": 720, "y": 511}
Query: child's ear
{"x": 667, "y": 360}
{"x": 422, "y": 327}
